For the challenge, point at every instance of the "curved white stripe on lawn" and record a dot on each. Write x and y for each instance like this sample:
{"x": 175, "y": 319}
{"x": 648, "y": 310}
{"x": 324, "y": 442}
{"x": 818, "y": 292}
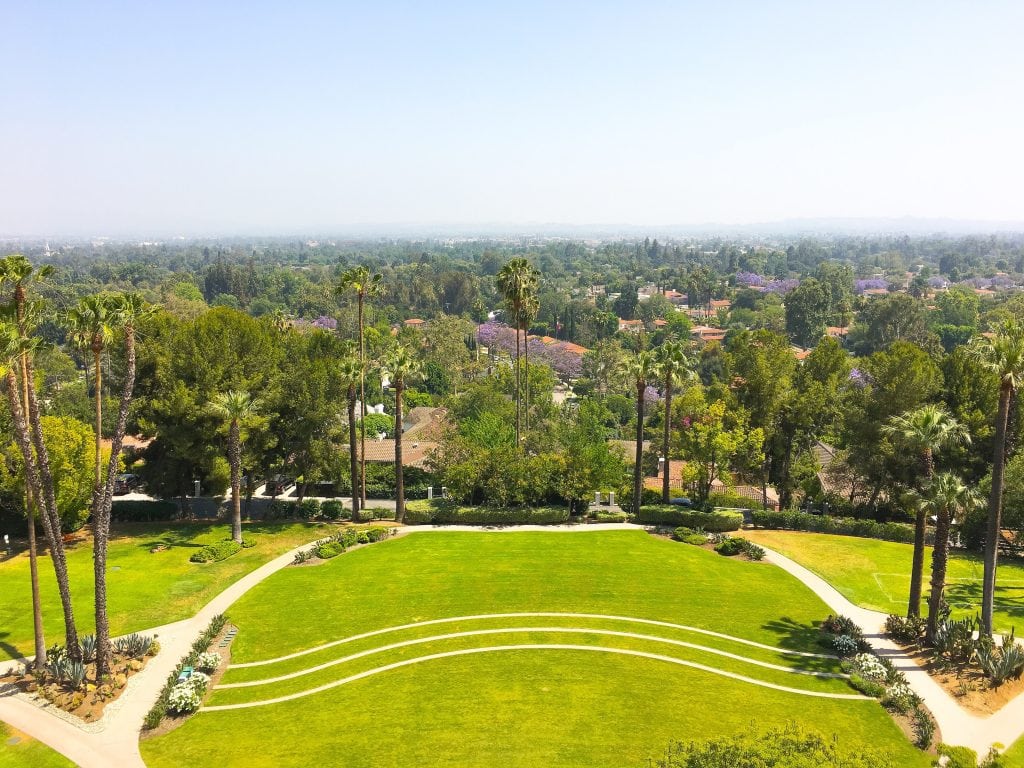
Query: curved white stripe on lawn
{"x": 516, "y": 630}
{"x": 544, "y": 615}
{"x": 539, "y": 646}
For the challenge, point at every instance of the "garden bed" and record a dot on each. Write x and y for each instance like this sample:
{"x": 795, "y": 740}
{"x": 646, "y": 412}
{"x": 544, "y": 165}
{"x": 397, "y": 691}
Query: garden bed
{"x": 88, "y": 698}
{"x": 967, "y": 684}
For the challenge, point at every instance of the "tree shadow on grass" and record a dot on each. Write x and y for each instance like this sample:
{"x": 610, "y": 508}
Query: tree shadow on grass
{"x": 12, "y": 651}
{"x": 798, "y": 636}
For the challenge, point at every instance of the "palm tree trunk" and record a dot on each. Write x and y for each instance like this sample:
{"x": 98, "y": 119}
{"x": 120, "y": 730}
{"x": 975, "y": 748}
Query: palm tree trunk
{"x": 665, "y": 440}
{"x": 518, "y": 386}
{"x": 21, "y": 435}
{"x": 940, "y": 557}
{"x": 920, "y": 530}
{"x": 98, "y": 380}
{"x": 33, "y": 567}
{"x": 995, "y": 511}
{"x": 353, "y": 458}
{"x": 362, "y": 408}
{"x": 50, "y": 517}
{"x": 526, "y": 387}
{"x": 235, "y": 459}
{"x": 399, "y": 476}
{"x": 101, "y": 511}
{"x": 638, "y": 471}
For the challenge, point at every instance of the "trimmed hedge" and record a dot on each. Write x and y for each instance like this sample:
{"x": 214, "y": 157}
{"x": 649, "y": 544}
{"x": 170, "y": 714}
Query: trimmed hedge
{"x": 128, "y": 511}
{"x": 712, "y": 522}
{"x": 422, "y": 512}
{"x": 843, "y": 526}
{"x": 214, "y": 553}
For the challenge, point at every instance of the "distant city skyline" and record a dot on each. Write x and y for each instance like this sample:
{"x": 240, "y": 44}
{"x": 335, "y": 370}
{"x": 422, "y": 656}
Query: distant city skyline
{"x": 192, "y": 119}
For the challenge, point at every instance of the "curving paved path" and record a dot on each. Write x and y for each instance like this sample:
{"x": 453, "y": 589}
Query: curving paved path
{"x": 957, "y": 725}
{"x": 115, "y": 739}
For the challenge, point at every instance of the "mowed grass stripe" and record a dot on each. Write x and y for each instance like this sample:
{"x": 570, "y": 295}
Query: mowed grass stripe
{"x": 811, "y": 661}
{"x": 424, "y": 577}
{"x": 535, "y": 647}
{"x": 538, "y": 614}
{"x": 547, "y": 630}
{"x": 363, "y": 662}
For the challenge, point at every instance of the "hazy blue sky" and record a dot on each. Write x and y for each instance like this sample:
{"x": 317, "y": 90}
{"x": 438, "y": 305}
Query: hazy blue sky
{"x": 250, "y": 117}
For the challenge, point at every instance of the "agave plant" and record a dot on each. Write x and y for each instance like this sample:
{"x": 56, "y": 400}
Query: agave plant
{"x": 88, "y": 645}
{"x": 76, "y": 674}
{"x": 954, "y": 640}
{"x": 1001, "y": 663}
{"x": 134, "y": 646}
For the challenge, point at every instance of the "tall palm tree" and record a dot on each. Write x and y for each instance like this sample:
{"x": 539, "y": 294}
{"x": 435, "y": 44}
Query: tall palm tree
{"x": 642, "y": 369}
{"x": 366, "y": 285}
{"x": 351, "y": 373}
{"x": 401, "y": 366}
{"x": 517, "y": 281}
{"x": 18, "y": 271}
{"x": 235, "y": 407}
{"x": 1003, "y": 354}
{"x": 92, "y": 325}
{"x": 924, "y": 430}
{"x": 16, "y": 268}
{"x": 673, "y": 369}
{"x": 10, "y": 353}
{"x": 127, "y": 310}
{"x": 945, "y": 497}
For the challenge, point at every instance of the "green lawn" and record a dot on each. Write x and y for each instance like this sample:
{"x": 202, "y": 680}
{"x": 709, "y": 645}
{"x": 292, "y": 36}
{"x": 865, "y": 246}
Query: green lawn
{"x": 1014, "y": 756}
{"x": 876, "y": 574}
{"x": 28, "y": 753}
{"x": 145, "y": 589}
{"x": 551, "y": 706}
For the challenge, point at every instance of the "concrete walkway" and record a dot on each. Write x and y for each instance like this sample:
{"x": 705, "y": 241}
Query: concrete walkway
{"x": 957, "y": 725}
{"x": 114, "y": 740}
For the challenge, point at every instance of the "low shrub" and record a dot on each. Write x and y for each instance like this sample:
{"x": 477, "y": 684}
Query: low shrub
{"x": 730, "y": 547}
{"x": 422, "y": 512}
{"x": 208, "y": 661}
{"x": 329, "y": 549}
{"x": 732, "y": 500}
{"x": 187, "y": 695}
{"x": 842, "y": 635}
{"x": 280, "y": 510}
{"x": 689, "y": 536}
{"x": 214, "y": 553}
{"x": 904, "y": 630}
{"x": 248, "y": 542}
{"x": 307, "y": 509}
{"x": 965, "y": 757}
{"x": 611, "y": 517}
{"x": 924, "y": 727}
{"x": 127, "y": 511}
{"x": 843, "y": 526}
{"x": 666, "y": 514}
{"x": 334, "y": 510}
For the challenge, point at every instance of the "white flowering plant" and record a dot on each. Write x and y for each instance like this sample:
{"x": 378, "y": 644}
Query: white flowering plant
{"x": 187, "y": 695}
{"x": 868, "y": 666}
{"x": 208, "y": 661}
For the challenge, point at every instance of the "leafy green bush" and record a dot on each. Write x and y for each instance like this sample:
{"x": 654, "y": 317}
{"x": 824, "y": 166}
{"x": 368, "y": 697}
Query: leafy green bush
{"x": 965, "y": 757}
{"x": 904, "y": 630}
{"x": 248, "y": 542}
{"x": 611, "y": 517}
{"x": 731, "y": 500}
{"x": 787, "y": 747}
{"x": 843, "y": 526}
{"x": 712, "y": 522}
{"x": 422, "y": 512}
{"x": 329, "y": 549}
{"x": 307, "y": 509}
{"x": 753, "y": 551}
{"x": 128, "y": 511}
{"x": 332, "y": 509}
{"x": 280, "y": 510}
{"x": 731, "y": 546}
{"x": 214, "y": 553}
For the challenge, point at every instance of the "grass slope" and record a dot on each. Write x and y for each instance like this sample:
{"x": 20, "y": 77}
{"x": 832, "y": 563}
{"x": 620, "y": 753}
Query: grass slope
{"x": 145, "y": 589}
{"x": 876, "y": 574}
{"x": 528, "y": 707}
{"x": 28, "y": 753}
